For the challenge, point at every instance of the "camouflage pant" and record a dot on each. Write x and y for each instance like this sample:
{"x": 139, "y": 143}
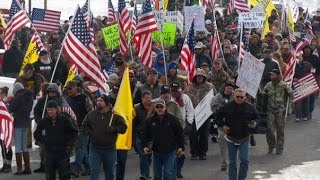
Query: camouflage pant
{"x": 223, "y": 146}
{"x": 275, "y": 131}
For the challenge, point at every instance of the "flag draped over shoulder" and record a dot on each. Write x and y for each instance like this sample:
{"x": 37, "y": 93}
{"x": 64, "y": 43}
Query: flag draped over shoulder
{"x": 124, "y": 108}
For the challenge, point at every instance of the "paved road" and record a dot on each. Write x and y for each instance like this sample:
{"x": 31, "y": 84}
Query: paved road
{"x": 302, "y": 144}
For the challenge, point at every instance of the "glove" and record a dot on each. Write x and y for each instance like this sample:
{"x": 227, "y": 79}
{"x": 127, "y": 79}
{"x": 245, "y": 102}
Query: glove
{"x": 146, "y": 150}
{"x": 252, "y": 124}
{"x": 179, "y": 152}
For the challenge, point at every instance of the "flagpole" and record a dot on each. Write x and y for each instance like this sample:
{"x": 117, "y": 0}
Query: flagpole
{"x": 218, "y": 37}
{"x": 164, "y": 55}
{"x": 241, "y": 32}
{"x": 131, "y": 36}
{"x": 57, "y": 61}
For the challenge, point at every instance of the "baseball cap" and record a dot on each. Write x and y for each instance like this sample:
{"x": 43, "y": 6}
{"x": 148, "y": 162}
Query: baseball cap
{"x": 164, "y": 89}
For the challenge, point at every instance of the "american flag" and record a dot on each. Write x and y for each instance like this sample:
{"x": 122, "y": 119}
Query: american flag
{"x": 291, "y": 66}
{"x": 124, "y": 26}
{"x": 304, "y": 87}
{"x": 241, "y": 6}
{"x": 187, "y": 54}
{"x": 23, "y": 4}
{"x": 17, "y": 19}
{"x": 45, "y": 20}
{"x": 292, "y": 37}
{"x": 67, "y": 109}
{"x": 86, "y": 11}
{"x": 37, "y": 40}
{"x": 146, "y": 25}
{"x": 230, "y": 7}
{"x": 6, "y": 125}
{"x": 214, "y": 40}
{"x": 135, "y": 21}
{"x": 244, "y": 44}
{"x": 111, "y": 14}
{"x": 81, "y": 51}
{"x": 208, "y": 3}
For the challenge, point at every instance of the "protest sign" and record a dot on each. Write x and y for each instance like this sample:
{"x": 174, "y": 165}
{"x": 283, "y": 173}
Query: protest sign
{"x": 189, "y": 12}
{"x": 169, "y": 16}
{"x": 304, "y": 87}
{"x": 251, "y": 19}
{"x": 168, "y": 34}
{"x": 111, "y": 36}
{"x": 250, "y": 74}
{"x": 203, "y": 110}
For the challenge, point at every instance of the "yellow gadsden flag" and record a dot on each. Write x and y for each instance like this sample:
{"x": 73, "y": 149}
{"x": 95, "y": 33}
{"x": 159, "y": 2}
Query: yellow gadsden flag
{"x": 73, "y": 70}
{"x": 31, "y": 55}
{"x": 290, "y": 18}
{"x": 124, "y": 107}
{"x": 2, "y": 22}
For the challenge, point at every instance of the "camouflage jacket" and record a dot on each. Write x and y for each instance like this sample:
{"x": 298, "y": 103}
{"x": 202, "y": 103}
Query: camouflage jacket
{"x": 218, "y": 78}
{"x": 277, "y": 95}
{"x": 197, "y": 92}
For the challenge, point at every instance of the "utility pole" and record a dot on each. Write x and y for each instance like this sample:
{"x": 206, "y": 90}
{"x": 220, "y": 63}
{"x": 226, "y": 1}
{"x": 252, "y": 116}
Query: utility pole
{"x": 29, "y": 8}
{"x": 45, "y": 4}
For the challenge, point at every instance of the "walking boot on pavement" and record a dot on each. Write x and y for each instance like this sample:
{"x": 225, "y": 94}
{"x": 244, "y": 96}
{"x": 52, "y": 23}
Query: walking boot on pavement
{"x": 40, "y": 169}
{"x": 7, "y": 169}
{"x": 224, "y": 166}
{"x": 19, "y": 164}
{"x": 26, "y": 159}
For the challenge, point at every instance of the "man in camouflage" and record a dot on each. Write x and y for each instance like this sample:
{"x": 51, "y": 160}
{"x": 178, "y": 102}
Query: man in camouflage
{"x": 218, "y": 77}
{"x": 276, "y": 90}
{"x": 197, "y": 91}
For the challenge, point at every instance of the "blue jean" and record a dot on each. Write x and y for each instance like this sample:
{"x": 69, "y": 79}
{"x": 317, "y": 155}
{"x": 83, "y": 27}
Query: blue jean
{"x": 302, "y": 108}
{"x": 107, "y": 157}
{"x": 121, "y": 164}
{"x": 145, "y": 159}
{"x": 163, "y": 164}
{"x": 20, "y": 139}
{"x": 312, "y": 98}
{"x": 82, "y": 153}
{"x": 244, "y": 160}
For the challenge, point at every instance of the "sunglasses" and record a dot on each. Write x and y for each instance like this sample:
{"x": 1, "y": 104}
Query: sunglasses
{"x": 240, "y": 97}
{"x": 159, "y": 107}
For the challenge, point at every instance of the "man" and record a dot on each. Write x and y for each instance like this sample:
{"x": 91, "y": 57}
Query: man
{"x": 31, "y": 80}
{"x": 199, "y": 138}
{"x": 164, "y": 136}
{"x": 286, "y": 53}
{"x": 103, "y": 127}
{"x": 187, "y": 110}
{"x": 255, "y": 45}
{"x": 173, "y": 76}
{"x": 217, "y": 102}
{"x": 239, "y": 118}
{"x": 200, "y": 56}
{"x": 218, "y": 77}
{"x": 276, "y": 90}
{"x": 12, "y": 60}
{"x": 44, "y": 65}
{"x": 80, "y": 105}
{"x": 151, "y": 85}
{"x": 139, "y": 123}
{"x": 175, "y": 50}
{"x": 55, "y": 131}
{"x": 270, "y": 64}
{"x": 230, "y": 60}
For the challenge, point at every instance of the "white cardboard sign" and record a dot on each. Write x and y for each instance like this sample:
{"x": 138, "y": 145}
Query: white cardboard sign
{"x": 203, "y": 109}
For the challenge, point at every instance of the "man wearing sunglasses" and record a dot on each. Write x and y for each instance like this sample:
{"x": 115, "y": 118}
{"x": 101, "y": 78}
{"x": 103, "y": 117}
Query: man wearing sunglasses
{"x": 236, "y": 118}
{"x": 163, "y": 135}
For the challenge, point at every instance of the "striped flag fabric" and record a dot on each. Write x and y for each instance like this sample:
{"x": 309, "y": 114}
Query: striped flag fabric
{"x": 135, "y": 21}
{"x": 230, "y": 7}
{"x": 292, "y": 37}
{"x": 187, "y": 54}
{"x": 45, "y": 20}
{"x": 244, "y": 44}
{"x": 112, "y": 18}
{"x": 23, "y": 4}
{"x": 6, "y": 125}
{"x": 86, "y": 11}
{"x": 146, "y": 25}
{"x": 124, "y": 26}
{"x": 80, "y": 50}
{"x": 67, "y": 109}
{"x": 215, "y": 46}
{"x": 304, "y": 87}
{"x": 37, "y": 40}
{"x": 208, "y": 3}
{"x": 17, "y": 19}
{"x": 241, "y": 6}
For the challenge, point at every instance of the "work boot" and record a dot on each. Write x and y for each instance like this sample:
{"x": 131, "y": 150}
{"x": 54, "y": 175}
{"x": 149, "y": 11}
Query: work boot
{"x": 252, "y": 141}
{"x": 224, "y": 166}
{"x": 19, "y": 164}
{"x": 194, "y": 157}
{"x": 26, "y": 159}
{"x": 3, "y": 167}
{"x": 40, "y": 169}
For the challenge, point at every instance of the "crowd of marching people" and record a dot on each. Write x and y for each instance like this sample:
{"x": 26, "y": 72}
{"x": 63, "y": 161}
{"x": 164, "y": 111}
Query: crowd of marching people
{"x": 74, "y": 119}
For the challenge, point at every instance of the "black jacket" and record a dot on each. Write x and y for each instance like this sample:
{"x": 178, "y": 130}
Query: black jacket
{"x": 96, "y": 125}
{"x": 269, "y": 66}
{"x": 21, "y": 107}
{"x": 139, "y": 121}
{"x": 165, "y": 135}
{"x": 12, "y": 60}
{"x": 55, "y": 136}
{"x": 237, "y": 117}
